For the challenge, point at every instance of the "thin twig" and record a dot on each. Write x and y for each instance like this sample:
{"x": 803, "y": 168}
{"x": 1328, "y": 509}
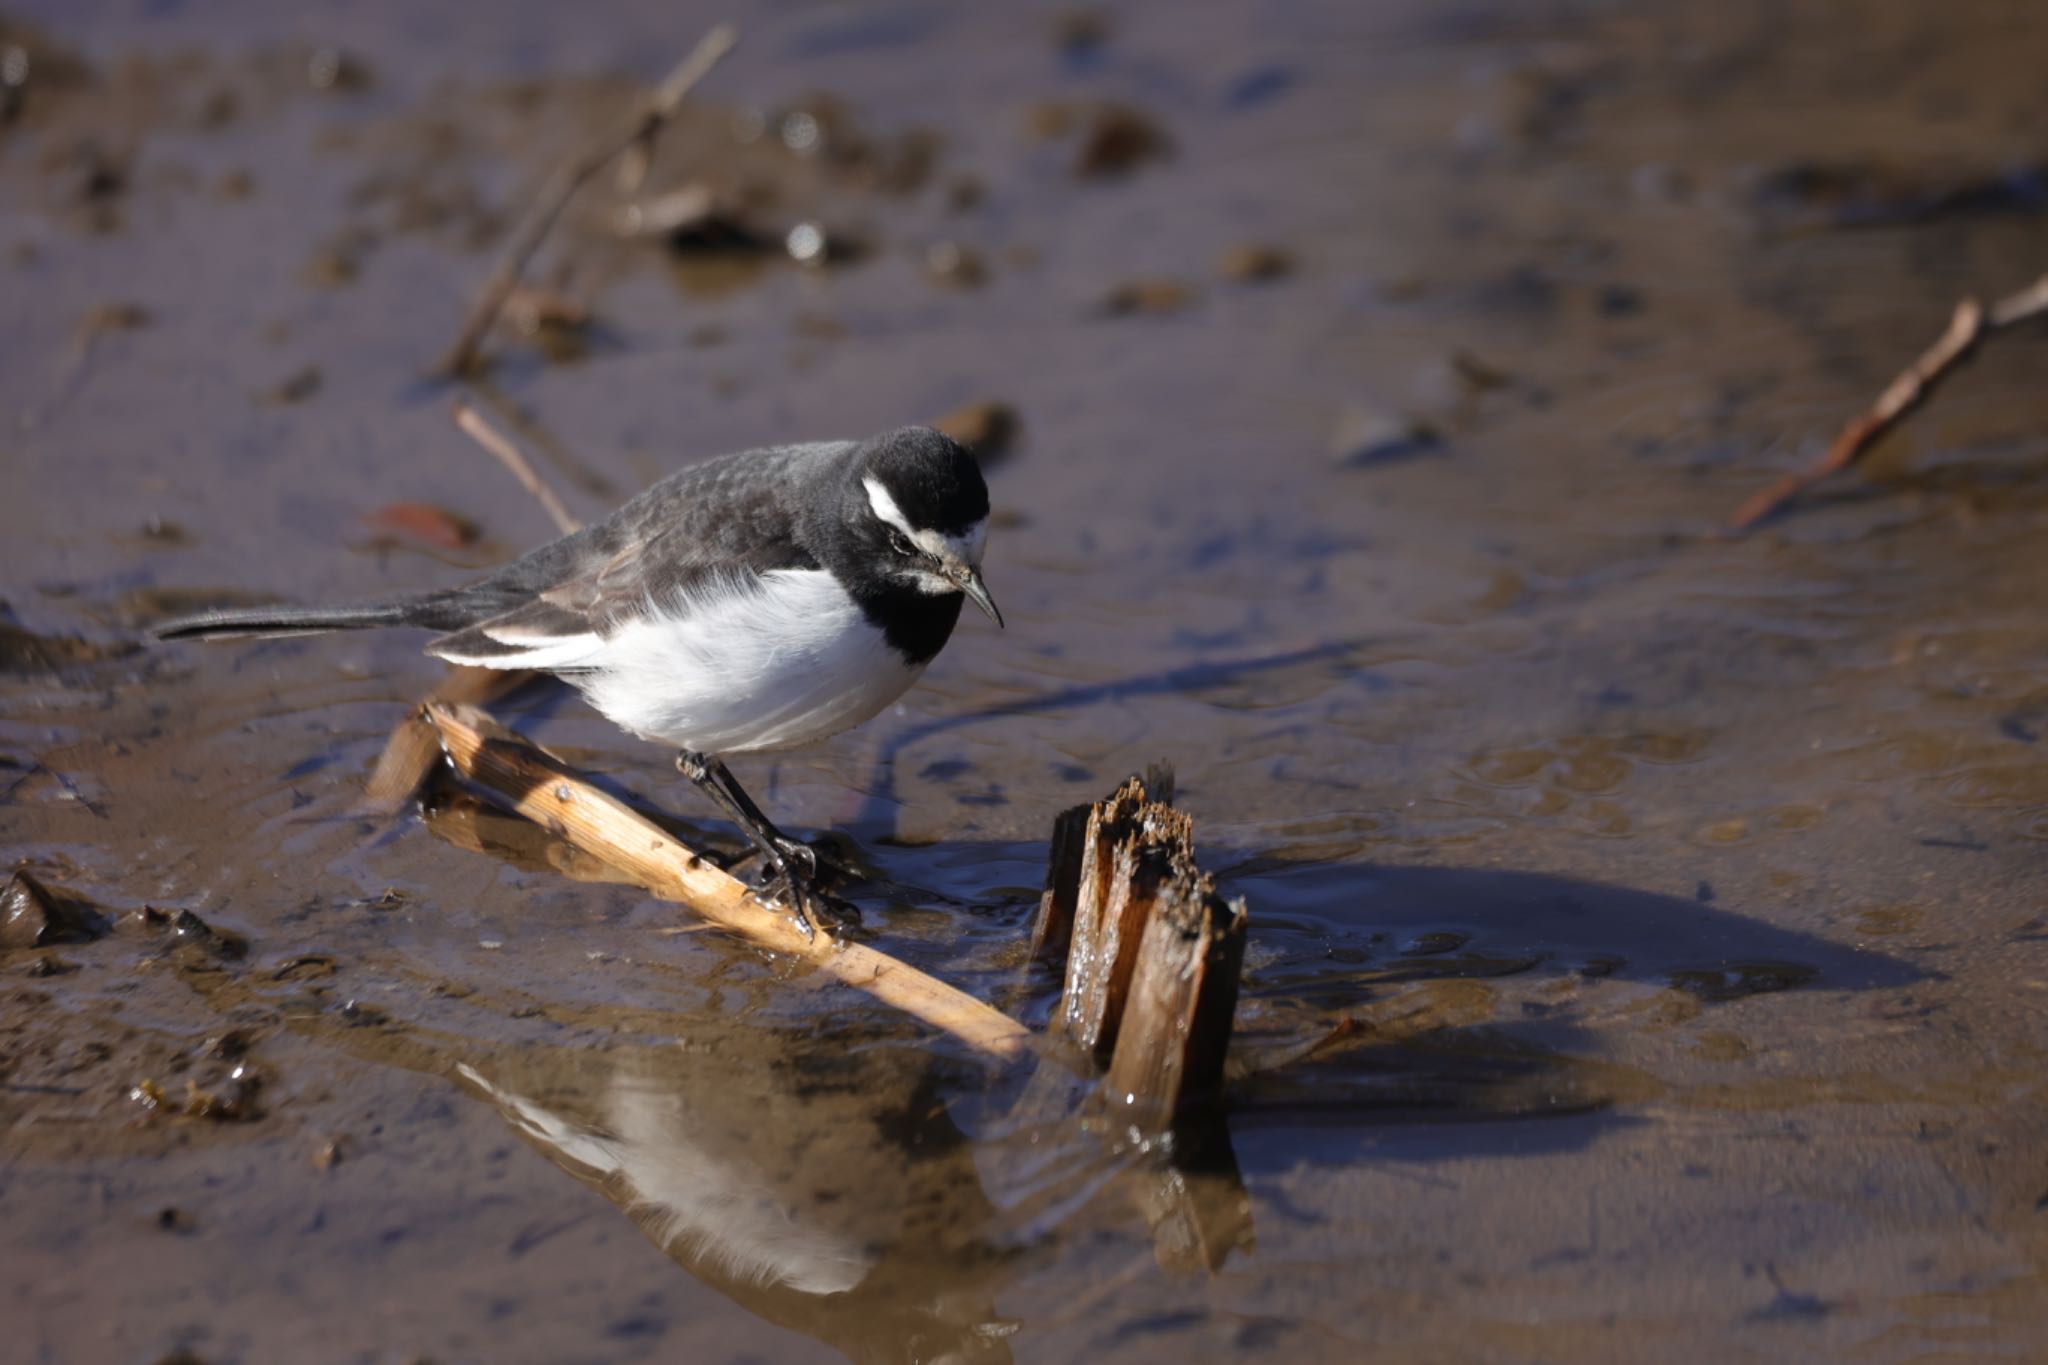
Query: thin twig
{"x": 556, "y": 798}
{"x": 547, "y": 450}
{"x": 479, "y": 429}
{"x": 1970, "y": 323}
{"x": 101, "y": 322}
{"x": 563, "y": 184}
{"x": 2020, "y": 305}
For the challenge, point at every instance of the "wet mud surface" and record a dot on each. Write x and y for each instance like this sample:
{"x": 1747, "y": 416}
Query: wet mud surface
{"x": 1375, "y": 379}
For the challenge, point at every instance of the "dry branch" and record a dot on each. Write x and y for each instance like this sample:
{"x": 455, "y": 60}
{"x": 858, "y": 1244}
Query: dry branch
{"x": 1971, "y": 322}
{"x": 637, "y": 137}
{"x": 554, "y": 797}
{"x": 479, "y": 429}
{"x": 415, "y": 746}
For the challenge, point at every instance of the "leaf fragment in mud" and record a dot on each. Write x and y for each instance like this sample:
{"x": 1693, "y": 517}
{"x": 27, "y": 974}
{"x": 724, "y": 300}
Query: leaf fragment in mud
{"x": 426, "y": 524}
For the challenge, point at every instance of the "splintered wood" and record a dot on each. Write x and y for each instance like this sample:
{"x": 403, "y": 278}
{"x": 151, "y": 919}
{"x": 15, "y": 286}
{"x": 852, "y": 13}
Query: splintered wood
{"x": 1153, "y": 953}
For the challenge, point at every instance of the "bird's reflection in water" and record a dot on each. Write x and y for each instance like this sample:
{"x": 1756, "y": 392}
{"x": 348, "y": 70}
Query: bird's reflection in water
{"x": 836, "y": 1199}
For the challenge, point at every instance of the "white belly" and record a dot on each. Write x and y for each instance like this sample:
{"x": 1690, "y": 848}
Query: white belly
{"x": 788, "y": 663}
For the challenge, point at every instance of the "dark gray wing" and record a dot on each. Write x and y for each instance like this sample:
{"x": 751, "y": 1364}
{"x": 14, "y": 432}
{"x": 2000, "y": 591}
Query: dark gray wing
{"x": 725, "y": 521}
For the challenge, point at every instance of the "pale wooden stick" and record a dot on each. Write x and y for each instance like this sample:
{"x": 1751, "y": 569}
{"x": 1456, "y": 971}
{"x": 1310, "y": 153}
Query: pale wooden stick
{"x": 1967, "y": 326}
{"x": 554, "y": 797}
{"x": 570, "y": 177}
{"x": 415, "y": 746}
{"x": 479, "y": 429}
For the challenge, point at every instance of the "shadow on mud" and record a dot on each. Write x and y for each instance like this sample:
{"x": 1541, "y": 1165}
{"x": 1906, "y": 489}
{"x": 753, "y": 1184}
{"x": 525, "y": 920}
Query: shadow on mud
{"x": 1343, "y": 929}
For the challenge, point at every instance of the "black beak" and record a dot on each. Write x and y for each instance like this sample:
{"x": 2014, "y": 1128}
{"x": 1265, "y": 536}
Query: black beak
{"x": 971, "y": 584}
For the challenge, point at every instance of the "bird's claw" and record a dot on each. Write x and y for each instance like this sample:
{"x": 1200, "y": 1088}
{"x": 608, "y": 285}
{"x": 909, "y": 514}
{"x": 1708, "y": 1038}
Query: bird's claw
{"x": 809, "y": 904}
{"x": 802, "y": 855}
{"x": 799, "y": 898}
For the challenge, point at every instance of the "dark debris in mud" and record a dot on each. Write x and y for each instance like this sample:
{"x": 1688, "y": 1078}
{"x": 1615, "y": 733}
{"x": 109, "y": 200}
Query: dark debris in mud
{"x": 955, "y": 266}
{"x": 296, "y": 387}
{"x": 697, "y": 219}
{"x": 34, "y": 72}
{"x": 1845, "y": 194}
{"x": 1155, "y": 297}
{"x": 186, "y": 934}
{"x": 24, "y": 652}
{"x": 1111, "y": 138}
{"x": 1255, "y": 263}
{"x": 1366, "y": 436}
{"x": 232, "y": 1097}
{"x": 33, "y": 915}
{"x": 989, "y": 428}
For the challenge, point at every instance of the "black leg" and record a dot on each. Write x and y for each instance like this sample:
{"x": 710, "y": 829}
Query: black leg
{"x": 710, "y": 777}
{"x": 796, "y": 850}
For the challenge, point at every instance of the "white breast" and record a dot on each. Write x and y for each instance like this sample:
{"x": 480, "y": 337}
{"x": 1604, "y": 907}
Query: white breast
{"x": 785, "y": 661}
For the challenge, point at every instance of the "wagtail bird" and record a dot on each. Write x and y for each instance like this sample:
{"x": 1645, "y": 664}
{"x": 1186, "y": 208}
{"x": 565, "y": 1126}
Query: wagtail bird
{"x": 755, "y": 602}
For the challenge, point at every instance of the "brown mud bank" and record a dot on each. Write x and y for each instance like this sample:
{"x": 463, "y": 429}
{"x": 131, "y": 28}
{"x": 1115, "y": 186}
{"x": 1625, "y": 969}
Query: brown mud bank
{"x": 1362, "y": 388}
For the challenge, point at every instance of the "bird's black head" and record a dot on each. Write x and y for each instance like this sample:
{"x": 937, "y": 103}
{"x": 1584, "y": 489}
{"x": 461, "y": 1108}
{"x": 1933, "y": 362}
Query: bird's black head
{"x": 917, "y": 514}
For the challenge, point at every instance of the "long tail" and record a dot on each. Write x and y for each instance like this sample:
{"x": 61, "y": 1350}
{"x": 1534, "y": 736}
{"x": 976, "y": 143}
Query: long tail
{"x": 242, "y": 622}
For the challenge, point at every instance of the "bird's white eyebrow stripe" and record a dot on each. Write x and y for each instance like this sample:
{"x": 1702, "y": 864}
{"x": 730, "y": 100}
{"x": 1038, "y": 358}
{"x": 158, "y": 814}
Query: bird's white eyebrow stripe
{"x": 886, "y": 508}
{"x": 966, "y": 546}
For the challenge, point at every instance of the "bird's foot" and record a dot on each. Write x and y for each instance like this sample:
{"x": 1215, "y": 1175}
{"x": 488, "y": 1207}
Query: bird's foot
{"x": 816, "y": 912}
{"x": 799, "y": 854}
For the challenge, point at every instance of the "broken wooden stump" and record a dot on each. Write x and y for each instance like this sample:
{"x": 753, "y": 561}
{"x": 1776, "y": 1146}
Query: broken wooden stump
{"x": 1149, "y": 995}
{"x": 1153, "y": 953}
{"x": 1182, "y": 999}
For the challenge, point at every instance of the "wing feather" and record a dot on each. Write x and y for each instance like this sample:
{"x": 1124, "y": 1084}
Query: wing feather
{"x": 710, "y": 528}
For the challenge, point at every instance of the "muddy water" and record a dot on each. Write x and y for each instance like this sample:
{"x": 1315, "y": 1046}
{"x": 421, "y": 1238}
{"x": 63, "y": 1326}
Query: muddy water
{"x": 1691, "y": 889}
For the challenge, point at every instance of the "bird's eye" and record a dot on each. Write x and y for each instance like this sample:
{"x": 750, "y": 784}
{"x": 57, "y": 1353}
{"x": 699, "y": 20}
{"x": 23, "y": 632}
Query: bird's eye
{"x": 900, "y": 543}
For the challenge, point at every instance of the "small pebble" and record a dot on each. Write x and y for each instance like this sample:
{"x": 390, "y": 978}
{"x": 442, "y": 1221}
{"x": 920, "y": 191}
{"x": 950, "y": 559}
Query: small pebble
{"x": 330, "y": 68}
{"x": 1147, "y": 296}
{"x": 955, "y": 266}
{"x": 1253, "y": 262}
{"x": 806, "y": 244}
{"x": 296, "y": 387}
{"x": 1118, "y": 139}
{"x": 988, "y": 428}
